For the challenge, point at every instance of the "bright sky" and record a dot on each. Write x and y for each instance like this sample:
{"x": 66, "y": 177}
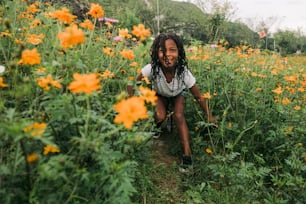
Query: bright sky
{"x": 278, "y": 14}
{"x": 288, "y": 14}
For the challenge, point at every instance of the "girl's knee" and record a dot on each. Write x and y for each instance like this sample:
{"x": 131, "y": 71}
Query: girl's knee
{"x": 160, "y": 117}
{"x": 179, "y": 116}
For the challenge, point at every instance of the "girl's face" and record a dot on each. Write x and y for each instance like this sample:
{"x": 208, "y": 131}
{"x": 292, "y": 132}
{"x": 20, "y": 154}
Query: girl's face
{"x": 171, "y": 52}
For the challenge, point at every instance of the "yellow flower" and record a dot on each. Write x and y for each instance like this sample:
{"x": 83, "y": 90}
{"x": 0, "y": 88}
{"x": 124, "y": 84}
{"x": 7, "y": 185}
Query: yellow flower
{"x": 36, "y": 129}
{"x": 128, "y": 54}
{"x": 2, "y": 84}
{"x": 141, "y": 32}
{"x": 71, "y": 36}
{"x": 289, "y": 130}
{"x": 96, "y": 11}
{"x": 47, "y": 82}
{"x": 49, "y": 148}
{"x": 130, "y": 111}
{"x": 84, "y": 83}
{"x": 148, "y": 95}
{"x": 32, "y": 158}
{"x": 30, "y": 57}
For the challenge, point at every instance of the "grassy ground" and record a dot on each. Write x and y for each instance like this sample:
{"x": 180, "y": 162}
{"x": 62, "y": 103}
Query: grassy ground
{"x": 167, "y": 180}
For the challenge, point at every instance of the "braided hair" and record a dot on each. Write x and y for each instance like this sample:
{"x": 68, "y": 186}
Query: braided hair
{"x": 158, "y": 43}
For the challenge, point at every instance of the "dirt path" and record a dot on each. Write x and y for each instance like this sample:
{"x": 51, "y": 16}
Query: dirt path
{"x": 167, "y": 177}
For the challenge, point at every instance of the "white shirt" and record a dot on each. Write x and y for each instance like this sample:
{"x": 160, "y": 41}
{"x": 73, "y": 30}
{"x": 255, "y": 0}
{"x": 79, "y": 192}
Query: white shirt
{"x": 175, "y": 87}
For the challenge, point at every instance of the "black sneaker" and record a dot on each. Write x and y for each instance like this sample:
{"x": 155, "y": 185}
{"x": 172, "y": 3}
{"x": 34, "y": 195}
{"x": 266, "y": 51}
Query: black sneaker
{"x": 186, "y": 164}
{"x": 156, "y": 135}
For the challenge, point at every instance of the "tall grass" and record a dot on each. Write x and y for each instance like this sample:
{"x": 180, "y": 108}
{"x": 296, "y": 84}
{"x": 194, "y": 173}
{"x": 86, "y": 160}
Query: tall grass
{"x": 60, "y": 142}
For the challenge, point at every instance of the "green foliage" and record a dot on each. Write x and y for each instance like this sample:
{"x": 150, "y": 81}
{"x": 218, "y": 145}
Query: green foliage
{"x": 255, "y": 155}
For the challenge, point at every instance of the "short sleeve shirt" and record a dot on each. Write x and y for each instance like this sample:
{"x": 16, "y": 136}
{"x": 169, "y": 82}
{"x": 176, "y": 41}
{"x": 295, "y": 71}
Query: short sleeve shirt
{"x": 175, "y": 87}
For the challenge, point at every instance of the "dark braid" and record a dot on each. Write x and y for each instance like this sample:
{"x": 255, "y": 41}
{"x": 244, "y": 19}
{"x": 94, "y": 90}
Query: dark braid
{"x": 159, "y": 42}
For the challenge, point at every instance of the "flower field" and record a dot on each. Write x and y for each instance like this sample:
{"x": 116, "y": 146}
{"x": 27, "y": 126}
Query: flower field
{"x": 70, "y": 134}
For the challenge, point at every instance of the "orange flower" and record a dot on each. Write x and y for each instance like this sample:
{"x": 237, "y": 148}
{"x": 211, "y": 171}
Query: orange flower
{"x": 124, "y": 33}
{"x": 107, "y": 74}
{"x": 62, "y": 15}
{"x": 206, "y": 95}
{"x": 33, "y": 8}
{"x": 128, "y": 54}
{"x": 2, "y": 84}
{"x": 141, "y": 32}
{"x": 49, "y": 148}
{"x": 286, "y": 101}
{"x": 146, "y": 79}
{"x": 108, "y": 51}
{"x": 297, "y": 108}
{"x": 278, "y": 90}
{"x": 291, "y": 78}
{"x": 32, "y": 158}
{"x": 30, "y": 57}
{"x": 134, "y": 64}
{"x": 41, "y": 70}
{"x": 130, "y": 111}
{"x": 35, "y": 23}
{"x": 301, "y": 89}
{"x": 47, "y": 82}
{"x": 87, "y": 24}
{"x": 208, "y": 151}
{"x": 71, "y": 37}
{"x": 36, "y": 129}
{"x": 84, "y": 83}
{"x": 35, "y": 39}
{"x": 6, "y": 34}
{"x": 148, "y": 95}
{"x": 96, "y": 11}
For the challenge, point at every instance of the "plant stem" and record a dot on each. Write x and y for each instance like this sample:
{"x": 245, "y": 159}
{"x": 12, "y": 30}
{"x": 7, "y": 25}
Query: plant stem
{"x": 28, "y": 171}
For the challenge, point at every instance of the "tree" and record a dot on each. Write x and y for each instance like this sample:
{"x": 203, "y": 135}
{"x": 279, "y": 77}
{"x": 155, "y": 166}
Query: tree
{"x": 289, "y": 42}
{"x": 220, "y": 11}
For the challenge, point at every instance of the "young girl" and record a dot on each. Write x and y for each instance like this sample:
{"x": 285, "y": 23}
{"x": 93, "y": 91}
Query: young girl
{"x": 169, "y": 76}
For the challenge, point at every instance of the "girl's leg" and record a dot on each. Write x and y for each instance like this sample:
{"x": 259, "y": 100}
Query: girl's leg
{"x": 181, "y": 124}
{"x": 160, "y": 111}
